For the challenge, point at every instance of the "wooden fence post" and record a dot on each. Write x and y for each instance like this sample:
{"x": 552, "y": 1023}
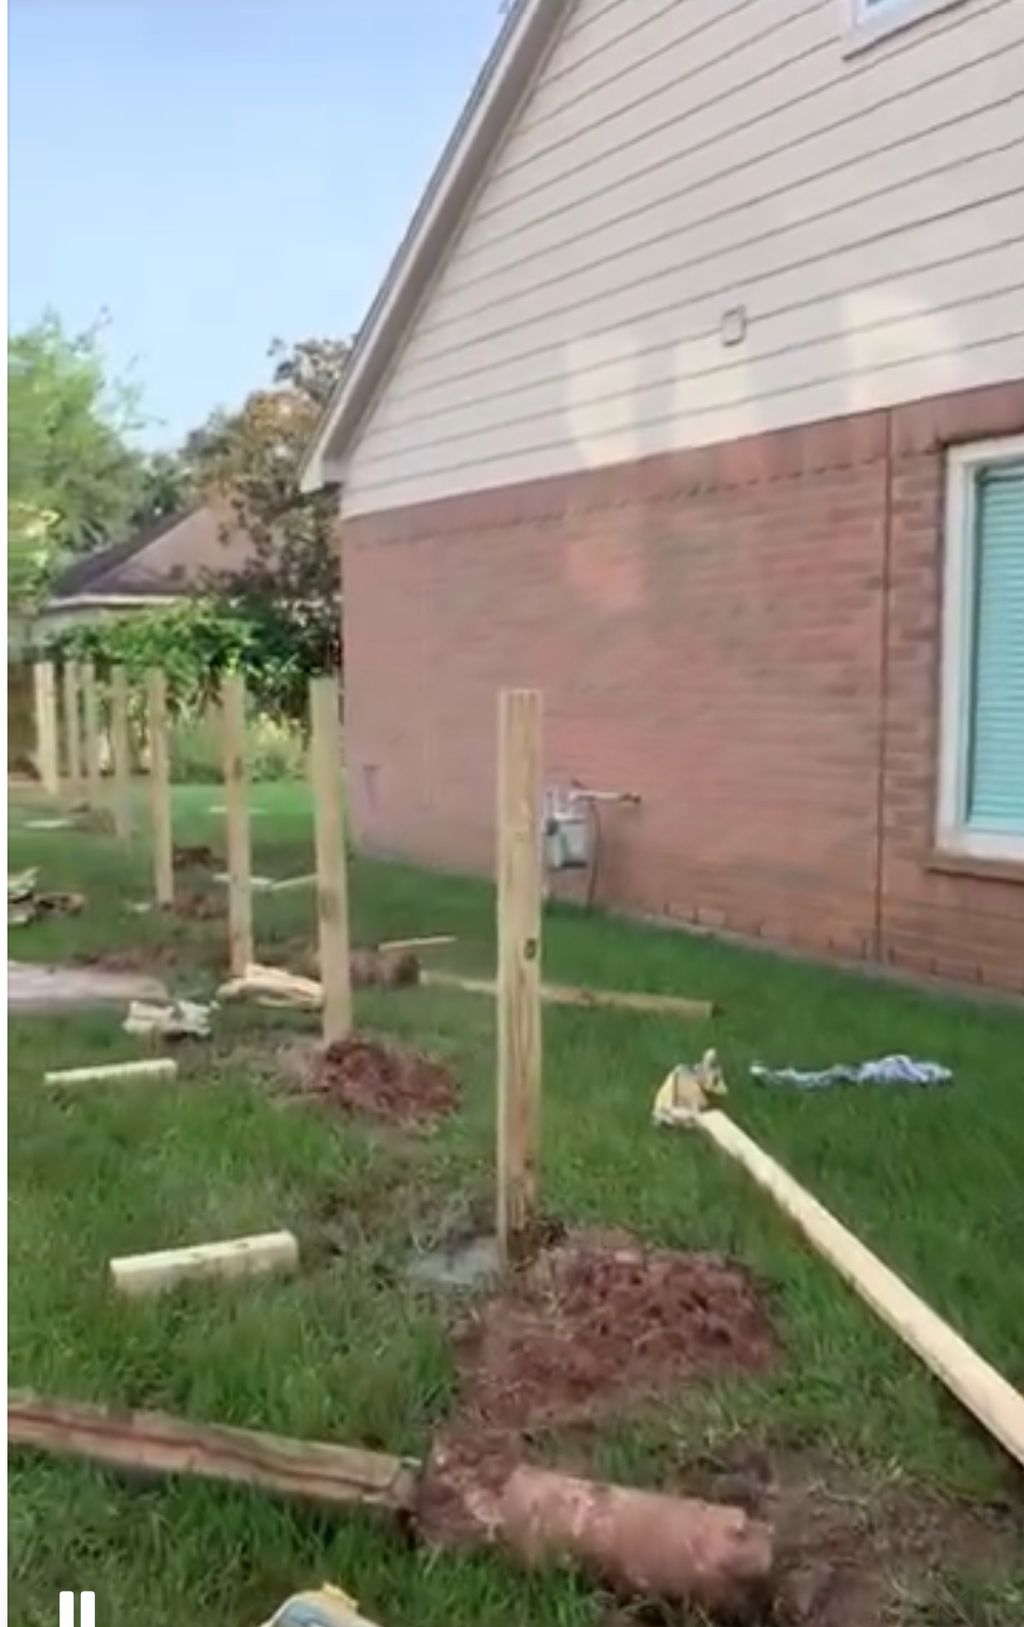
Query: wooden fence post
{"x": 237, "y": 821}
{"x": 72, "y": 731}
{"x": 160, "y": 786}
{"x": 47, "y": 756}
{"x": 91, "y": 708}
{"x": 331, "y": 879}
{"x": 519, "y": 1012}
{"x": 120, "y": 744}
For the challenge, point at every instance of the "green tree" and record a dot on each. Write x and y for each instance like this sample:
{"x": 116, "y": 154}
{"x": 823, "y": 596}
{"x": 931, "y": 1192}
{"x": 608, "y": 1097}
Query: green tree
{"x": 73, "y": 479}
{"x": 247, "y": 460}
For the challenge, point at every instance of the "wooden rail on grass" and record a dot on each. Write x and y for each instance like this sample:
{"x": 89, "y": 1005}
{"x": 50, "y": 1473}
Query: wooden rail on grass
{"x": 332, "y": 881}
{"x": 160, "y": 786}
{"x": 237, "y": 821}
{"x": 980, "y": 1388}
{"x": 519, "y": 1020}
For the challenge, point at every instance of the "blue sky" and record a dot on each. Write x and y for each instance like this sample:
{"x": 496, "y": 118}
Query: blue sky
{"x": 217, "y": 172}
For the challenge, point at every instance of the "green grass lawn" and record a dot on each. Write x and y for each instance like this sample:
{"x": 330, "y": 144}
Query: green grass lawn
{"x": 349, "y": 1351}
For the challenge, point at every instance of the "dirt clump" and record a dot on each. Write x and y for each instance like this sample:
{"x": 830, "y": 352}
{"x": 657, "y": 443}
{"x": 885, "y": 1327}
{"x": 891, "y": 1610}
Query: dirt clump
{"x": 198, "y": 857}
{"x": 385, "y": 1082}
{"x": 588, "y": 1324}
{"x": 198, "y": 907}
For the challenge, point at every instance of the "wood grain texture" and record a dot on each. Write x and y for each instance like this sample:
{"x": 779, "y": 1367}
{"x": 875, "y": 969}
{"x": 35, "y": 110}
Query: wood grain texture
{"x": 151, "y": 1443}
{"x": 120, "y": 741}
{"x": 519, "y": 1017}
{"x": 236, "y": 806}
{"x": 47, "y": 750}
{"x": 234, "y": 1257}
{"x": 160, "y": 787}
{"x": 332, "y": 880}
{"x": 980, "y": 1388}
{"x": 91, "y": 723}
{"x": 72, "y": 730}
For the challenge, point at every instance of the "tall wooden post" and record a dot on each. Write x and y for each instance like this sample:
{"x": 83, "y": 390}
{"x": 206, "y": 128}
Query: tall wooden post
{"x": 91, "y": 710}
{"x": 520, "y": 770}
{"x": 120, "y": 743}
{"x": 160, "y": 786}
{"x": 237, "y": 821}
{"x": 72, "y": 731}
{"x": 47, "y": 756}
{"x": 332, "y": 882}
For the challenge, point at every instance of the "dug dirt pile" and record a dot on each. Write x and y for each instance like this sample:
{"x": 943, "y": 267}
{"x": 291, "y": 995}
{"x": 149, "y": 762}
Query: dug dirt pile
{"x": 591, "y": 1323}
{"x": 383, "y": 1082}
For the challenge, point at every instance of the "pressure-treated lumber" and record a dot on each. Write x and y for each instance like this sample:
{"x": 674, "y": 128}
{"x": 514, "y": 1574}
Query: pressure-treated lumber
{"x": 271, "y": 983}
{"x": 72, "y": 730}
{"x": 980, "y": 1388}
{"x": 332, "y": 881}
{"x": 91, "y": 716}
{"x": 47, "y": 757}
{"x": 518, "y": 1019}
{"x": 160, "y": 786}
{"x": 235, "y": 1257}
{"x": 120, "y": 746}
{"x": 556, "y": 994}
{"x": 162, "y": 1067}
{"x": 151, "y": 1443}
{"x": 397, "y": 946}
{"x": 237, "y": 821}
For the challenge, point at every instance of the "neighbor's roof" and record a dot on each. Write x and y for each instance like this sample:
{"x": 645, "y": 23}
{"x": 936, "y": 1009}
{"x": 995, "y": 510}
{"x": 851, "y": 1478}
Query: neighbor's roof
{"x": 526, "y": 35}
{"x": 164, "y": 560}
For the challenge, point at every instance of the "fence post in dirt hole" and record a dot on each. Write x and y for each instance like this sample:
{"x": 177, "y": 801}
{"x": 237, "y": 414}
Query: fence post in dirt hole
{"x": 519, "y": 1016}
{"x": 91, "y": 710}
{"x": 72, "y": 731}
{"x": 120, "y": 745}
{"x": 331, "y": 879}
{"x": 236, "y": 806}
{"x": 160, "y": 786}
{"x": 46, "y": 726}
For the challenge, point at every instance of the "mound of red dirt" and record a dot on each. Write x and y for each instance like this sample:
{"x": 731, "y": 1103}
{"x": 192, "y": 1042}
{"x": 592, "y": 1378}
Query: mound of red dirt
{"x": 384, "y": 1082}
{"x": 588, "y": 1324}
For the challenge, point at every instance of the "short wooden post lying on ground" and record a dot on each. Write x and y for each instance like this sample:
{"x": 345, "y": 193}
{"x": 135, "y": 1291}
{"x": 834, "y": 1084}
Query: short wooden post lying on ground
{"x": 237, "y": 821}
{"x": 332, "y": 882}
{"x": 120, "y": 745}
{"x": 47, "y": 756}
{"x": 519, "y": 1012}
{"x": 72, "y": 731}
{"x": 160, "y": 786}
{"x": 236, "y": 1257}
{"x": 980, "y": 1388}
{"x": 91, "y": 709}
{"x": 152, "y": 1068}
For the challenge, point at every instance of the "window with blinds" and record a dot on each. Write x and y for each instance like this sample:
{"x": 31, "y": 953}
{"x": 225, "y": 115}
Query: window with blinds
{"x": 981, "y": 764}
{"x": 995, "y": 779}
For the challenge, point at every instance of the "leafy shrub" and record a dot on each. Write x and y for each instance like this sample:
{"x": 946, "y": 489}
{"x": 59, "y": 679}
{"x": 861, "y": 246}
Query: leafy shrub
{"x": 274, "y": 750}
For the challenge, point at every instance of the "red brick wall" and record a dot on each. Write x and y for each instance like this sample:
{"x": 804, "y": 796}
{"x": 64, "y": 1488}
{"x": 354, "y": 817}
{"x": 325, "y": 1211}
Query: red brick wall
{"x": 746, "y": 635}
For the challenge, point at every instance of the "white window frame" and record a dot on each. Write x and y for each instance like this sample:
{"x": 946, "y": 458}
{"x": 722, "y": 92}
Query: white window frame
{"x": 864, "y": 23}
{"x": 953, "y": 834}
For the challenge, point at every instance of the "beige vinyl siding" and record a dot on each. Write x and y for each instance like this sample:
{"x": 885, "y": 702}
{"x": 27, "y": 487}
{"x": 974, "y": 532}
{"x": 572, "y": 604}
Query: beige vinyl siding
{"x": 678, "y": 158}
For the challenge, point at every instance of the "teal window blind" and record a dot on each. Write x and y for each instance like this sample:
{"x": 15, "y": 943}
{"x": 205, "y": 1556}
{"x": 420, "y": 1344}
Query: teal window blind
{"x": 995, "y": 780}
